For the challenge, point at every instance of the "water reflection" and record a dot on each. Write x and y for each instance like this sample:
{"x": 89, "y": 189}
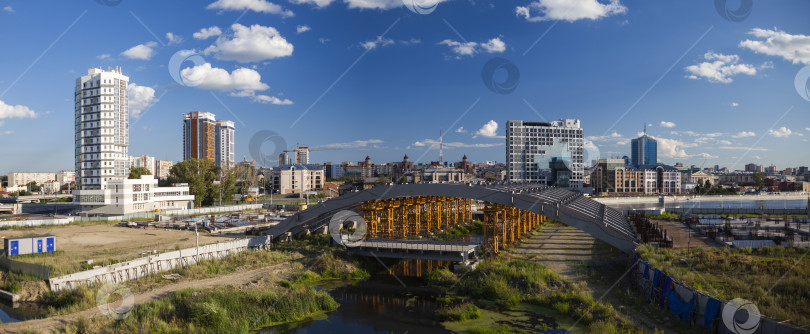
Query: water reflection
{"x": 371, "y": 307}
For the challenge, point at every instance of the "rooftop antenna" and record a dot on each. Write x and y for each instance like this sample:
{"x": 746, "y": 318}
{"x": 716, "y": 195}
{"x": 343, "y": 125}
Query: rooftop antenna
{"x": 645, "y": 128}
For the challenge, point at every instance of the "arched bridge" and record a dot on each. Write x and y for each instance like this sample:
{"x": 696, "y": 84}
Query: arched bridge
{"x": 567, "y": 207}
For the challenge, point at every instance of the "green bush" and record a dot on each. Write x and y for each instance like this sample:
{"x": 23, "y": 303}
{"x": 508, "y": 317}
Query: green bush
{"x": 442, "y": 277}
{"x": 462, "y": 312}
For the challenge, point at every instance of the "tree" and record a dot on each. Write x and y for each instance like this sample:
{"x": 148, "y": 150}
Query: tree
{"x": 759, "y": 180}
{"x": 33, "y": 187}
{"x": 136, "y": 172}
{"x": 199, "y": 174}
{"x": 227, "y": 184}
{"x": 708, "y": 185}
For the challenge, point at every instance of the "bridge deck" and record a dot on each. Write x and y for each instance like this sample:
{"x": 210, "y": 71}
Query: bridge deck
{"x": 416, "y": 245}
{"x": 416, "y": 249}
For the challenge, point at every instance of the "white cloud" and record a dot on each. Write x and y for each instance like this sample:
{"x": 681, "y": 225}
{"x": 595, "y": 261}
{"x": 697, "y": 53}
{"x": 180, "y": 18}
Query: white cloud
{"x": 412, "y": 41}
{"x": 316, "y": 3}
{"x": 7, "y": 132}
{"x": 432, "y": 143}
{"x": 743, "y": 148}
{"x": 673, "y": 148}
{"x": 250, "y": 44}
{"x": 259, "y": 6}
{"x": 323, "y": 40}
{"x": 103, "y": 56}
{"x": 243, "y": 80}
{"x": 18, "y": 111}
{"x": 351, "y": 144}
{"x": 490, "y": 129}
{"x": 743, "y": 134}
{"x": 8, "y": 9}
{"x": 462, "y": 130}
{"x": 174, "y": 39}
{"x": 566, "y": 10}
{"x": 380, "y": 41}
{"x": 207, "y": 32}
{"x": 140, "y": 99}
{"x": 719, "y": 68}
{"x": 495, "y": 45}
{"x": 795, "y": 48}
{"x": 735, "y": 104}
{"x": 143, "y": 51}
{"x": 614, "y": 136}
{"x": 667, "y": 124}
{"x": 808, "y": 129}
{"x": 271, "y": 100}
{"x": 724, "y": 142}
{"x": 780, "y": 132}
{"x": 303, "y": 28}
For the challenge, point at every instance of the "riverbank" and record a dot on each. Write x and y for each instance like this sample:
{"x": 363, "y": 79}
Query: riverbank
{"x": 230, "y": 285}
{"x": 702, "y": 198}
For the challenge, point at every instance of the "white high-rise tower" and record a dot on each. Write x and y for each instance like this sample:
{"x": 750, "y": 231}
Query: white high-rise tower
{"x": 101, "y": 127}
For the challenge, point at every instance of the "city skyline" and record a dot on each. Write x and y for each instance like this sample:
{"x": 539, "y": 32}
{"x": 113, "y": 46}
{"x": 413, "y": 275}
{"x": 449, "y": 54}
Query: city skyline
{"x": 717, "y": 92}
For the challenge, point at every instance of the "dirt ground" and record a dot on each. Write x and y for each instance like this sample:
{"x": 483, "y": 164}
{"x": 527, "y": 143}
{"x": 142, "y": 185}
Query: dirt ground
{"x": 682, "y": 238}
{"x": 76, "y": 243}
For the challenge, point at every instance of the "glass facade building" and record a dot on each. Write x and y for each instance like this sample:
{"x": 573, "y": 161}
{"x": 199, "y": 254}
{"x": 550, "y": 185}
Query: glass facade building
{"x": 644, "y": 151}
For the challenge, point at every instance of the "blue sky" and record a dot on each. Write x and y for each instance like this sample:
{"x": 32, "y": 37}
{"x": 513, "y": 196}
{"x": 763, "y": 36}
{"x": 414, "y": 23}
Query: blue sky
{"x": 371, "y": 77}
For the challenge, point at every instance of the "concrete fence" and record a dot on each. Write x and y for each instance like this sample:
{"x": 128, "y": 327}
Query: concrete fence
{"x": 142, "y": 267}
{"x": 32, "y": 269}
{"x": 151, "y": 215}
{"x": 36, "y": 222}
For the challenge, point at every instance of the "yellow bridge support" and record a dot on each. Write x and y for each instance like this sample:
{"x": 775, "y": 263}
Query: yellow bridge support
{"x": 418, "y": 216}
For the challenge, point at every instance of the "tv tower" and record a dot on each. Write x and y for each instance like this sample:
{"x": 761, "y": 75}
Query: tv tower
{"x": 441, "y": 158}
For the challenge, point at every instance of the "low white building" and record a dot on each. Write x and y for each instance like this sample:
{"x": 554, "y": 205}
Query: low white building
{"x": 125, "y": 196}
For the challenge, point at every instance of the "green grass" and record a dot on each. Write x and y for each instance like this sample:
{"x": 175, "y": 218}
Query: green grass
{"x": 13, "y": 282}
{"x": 772, "y": 278}
{"x": 509, "y": 284}
{"x": 222, "y": 310}
{"x": 458, "y": 313}
{"x": 665, "y": 216}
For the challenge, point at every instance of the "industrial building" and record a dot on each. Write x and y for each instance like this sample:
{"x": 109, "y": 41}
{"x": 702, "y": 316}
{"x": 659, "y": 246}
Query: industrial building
{"x": 30, "y": 245}
{"x": 547, "y": 152}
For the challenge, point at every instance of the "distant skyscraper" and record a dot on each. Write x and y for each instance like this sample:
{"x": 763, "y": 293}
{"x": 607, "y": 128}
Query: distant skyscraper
{"x": 225, "y": 143}
{"x": 199, "y": 135}
{"x": 101, "y": 124}
{"x": 204, "y": 137}
{"x": 644, "y": 151}
{"x": 547, "y": 152}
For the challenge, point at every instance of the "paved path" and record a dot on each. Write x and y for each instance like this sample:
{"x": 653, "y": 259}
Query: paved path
{"x": 564, "y": 248}
{"x": 561, "y": 248}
